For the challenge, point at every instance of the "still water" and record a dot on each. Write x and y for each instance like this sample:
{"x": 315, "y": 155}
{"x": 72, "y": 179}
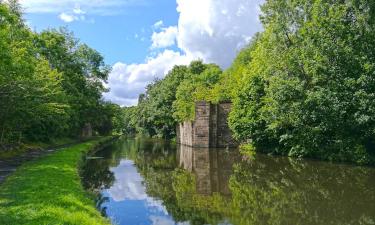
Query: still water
{"x": 145, "y": 181}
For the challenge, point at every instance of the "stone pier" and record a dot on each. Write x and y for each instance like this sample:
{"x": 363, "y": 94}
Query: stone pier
{"x": 209, "y": 129}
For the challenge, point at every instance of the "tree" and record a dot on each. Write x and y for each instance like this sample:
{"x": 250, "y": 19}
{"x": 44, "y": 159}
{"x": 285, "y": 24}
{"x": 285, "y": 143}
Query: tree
{"x": 308, "y": 90}
{"x": 30, "y": 93}
{"x": 83, "y": 74}
{"x": 156, "y": 109}
{"x": 51, "y": 85}
{"x": 197, "y": 86}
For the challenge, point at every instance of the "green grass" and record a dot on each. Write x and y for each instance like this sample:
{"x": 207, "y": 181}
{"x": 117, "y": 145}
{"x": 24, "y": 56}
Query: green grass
{"x": 30, "y": 146}
{"x": 49, "y": 191}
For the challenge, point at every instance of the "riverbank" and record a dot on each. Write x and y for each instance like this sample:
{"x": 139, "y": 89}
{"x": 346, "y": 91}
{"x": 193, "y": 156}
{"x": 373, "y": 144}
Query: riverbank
{"x": 11, "y": 160}
{"x": 49, "y": 191}
{"x": 24, "y": 148}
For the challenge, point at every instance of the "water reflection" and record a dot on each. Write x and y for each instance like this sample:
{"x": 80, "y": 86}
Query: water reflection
{"x": 211, "y": 167}
{"x": 147, "y": 181}
{"x": 277, "y": 190}
{"x": 96, "y": 173}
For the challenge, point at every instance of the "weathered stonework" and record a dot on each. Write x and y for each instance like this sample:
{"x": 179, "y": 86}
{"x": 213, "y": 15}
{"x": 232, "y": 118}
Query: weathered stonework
{"x": 209, "y": 129}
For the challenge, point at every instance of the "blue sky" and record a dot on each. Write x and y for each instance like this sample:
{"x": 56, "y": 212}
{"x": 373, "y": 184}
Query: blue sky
{"x": 123, "y": 36}
{"x": 143, "y": 39}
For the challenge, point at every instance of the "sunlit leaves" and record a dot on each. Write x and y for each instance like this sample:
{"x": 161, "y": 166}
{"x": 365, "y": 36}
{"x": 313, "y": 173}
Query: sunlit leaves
{"x": 312, "y": 59}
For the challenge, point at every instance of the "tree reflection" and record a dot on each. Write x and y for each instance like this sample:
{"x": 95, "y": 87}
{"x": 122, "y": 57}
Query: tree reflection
{"x": 262, "y": 190}
{"x": 96, "y": 174}
{"x": 273, "y": 190}
{"x": 212, "y": 186}
{"x": 200, "y": 193}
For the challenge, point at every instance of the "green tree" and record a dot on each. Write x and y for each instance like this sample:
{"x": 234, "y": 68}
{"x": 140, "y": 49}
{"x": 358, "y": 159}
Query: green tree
{"x": 309, "y": 88}
{"x": 156, "y": 109}
{"x": 30, "y": 94}
{"x": 83, "y": 74}
{"x": 51, "y": 85}
{"x": 197, "y": 86}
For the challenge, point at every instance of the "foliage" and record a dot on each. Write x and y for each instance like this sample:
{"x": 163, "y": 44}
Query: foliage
{"x": 49, "y": 191}
{"x": 83, "y": 72}
{"x": 231, "y": 79}
{"x": 129, "y": 118}
{"x": 196, "y": 87}
{"x": 30, "y": 92}
{"x": 171, "y": 100}
{"x": 29, "y": 146}
{"x": 155, "y": 110}
{"x": 309, "y": 89}
{"x": 304, "y": 87}
{"x": 50, "y": 84}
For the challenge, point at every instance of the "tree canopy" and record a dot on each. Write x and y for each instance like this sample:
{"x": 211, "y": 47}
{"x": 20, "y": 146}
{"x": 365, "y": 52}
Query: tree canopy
{"x": 51, "y": 84}
{"x": 171, "y": 100}
{"x": 309, "y": 88}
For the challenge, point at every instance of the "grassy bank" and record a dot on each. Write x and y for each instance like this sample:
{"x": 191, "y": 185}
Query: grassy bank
{"x": 49, "y": 191}
{"x": 33, "y": 146}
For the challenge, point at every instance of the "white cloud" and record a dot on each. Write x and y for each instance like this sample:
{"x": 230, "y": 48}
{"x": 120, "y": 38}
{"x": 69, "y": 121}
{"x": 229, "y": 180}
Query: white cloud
{"x": 99, "y": 7}
{"x": 212, "y": 30}
{"x": 67, "y": 17}
{"x": 129, "y": 185}
{"x": 158, "y": 24}
{"x": 216, "y": 29}
{"x": 77, "y": 10}
{"x": 76, "y": 15}
{"x": 128, "y": 81}
{"x": 165, "y": 38}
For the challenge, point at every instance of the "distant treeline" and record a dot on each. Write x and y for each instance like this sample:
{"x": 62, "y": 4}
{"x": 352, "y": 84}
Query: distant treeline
{"x": 50, "y": 83}
{"x": 304, "y": 87}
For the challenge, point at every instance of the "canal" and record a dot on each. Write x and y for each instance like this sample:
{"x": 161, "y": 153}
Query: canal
{"x": 148, "y": 181}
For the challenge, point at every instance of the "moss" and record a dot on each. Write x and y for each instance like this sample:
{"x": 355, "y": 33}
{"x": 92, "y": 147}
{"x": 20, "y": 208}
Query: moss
{"x": 49, "y": 191}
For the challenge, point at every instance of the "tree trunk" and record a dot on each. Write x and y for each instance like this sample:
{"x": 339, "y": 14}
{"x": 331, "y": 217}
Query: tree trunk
{"x": 2, "y": 136}
{"x": 20, "y": 137}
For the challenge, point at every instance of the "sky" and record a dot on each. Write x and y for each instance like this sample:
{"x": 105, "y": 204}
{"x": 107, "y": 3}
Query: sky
{"x": 128, "y": 194}
{"x": 143, "y": 39}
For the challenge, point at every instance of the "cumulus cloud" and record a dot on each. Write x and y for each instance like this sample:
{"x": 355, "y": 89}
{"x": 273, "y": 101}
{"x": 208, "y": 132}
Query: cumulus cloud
{"x": 67, "y": 17}
{"x": 211, "y": 30}
{"x": 77, "y": 14}
{"x": 165, "y": 38}
{"x": 129, "y": 185}
{"x": 215, "y": 30}
{"x": 77, "y": 10}
{"x": 127, "y": 81}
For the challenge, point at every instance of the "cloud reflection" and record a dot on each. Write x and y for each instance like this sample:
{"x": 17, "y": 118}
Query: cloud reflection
{"x": 128, "y": 185}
